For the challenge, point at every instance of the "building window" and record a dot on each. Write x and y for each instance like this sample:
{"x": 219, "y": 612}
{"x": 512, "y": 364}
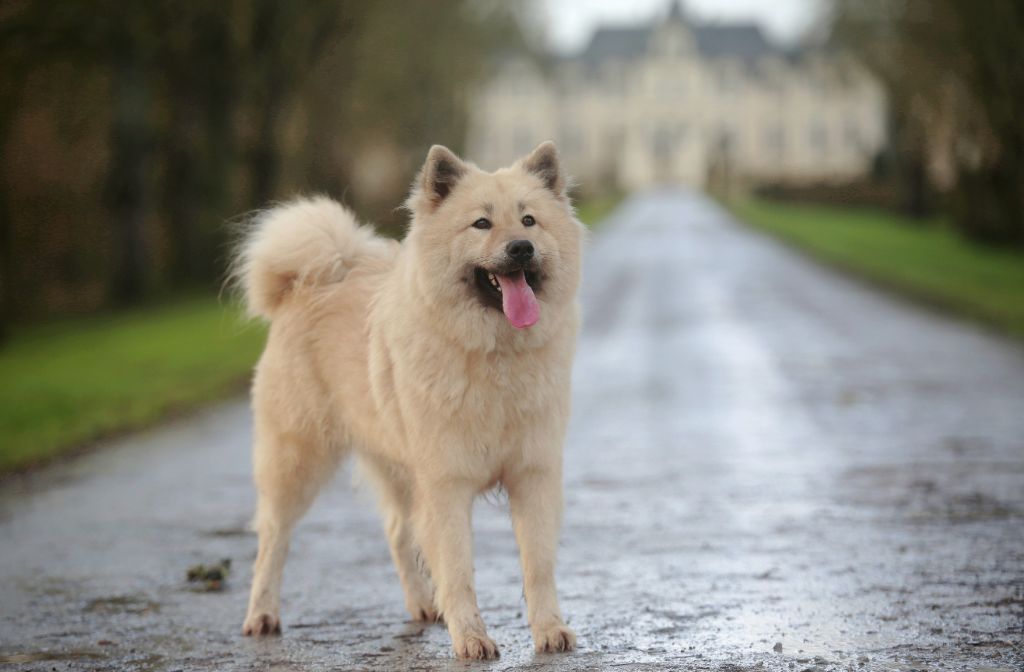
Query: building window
{"x": 851, "y": 134}
{"x": 819, "y": 137}
{"x": 726, "y": 142}
{"x": 680, "y": 136}
{"x": 616, "y": 140}
{"x": 615, "y": 81}
{"x": 775, "y": 140}
{"x": 675, "y": 85}
{"x": 662, "y": 142}
{"x": 726, "y": 80}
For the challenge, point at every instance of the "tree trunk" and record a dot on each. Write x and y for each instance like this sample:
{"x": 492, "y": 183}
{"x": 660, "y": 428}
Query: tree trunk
{"x": 7, "y": 113}
{"x": 200, "y": 151}
{"x": 6, "y": 275}
{"x": 265, "y": 160}
{"x": 180, "y": 188}
{"x": 126, "y": 186}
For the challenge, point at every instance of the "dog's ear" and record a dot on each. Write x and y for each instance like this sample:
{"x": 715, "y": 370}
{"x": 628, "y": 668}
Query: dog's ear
{"x": 543, "y": 162}
{"x": 441, "y": 172}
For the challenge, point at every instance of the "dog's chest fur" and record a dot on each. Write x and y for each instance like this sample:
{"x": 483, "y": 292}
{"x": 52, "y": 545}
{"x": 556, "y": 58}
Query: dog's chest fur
{"x": 488, "y": 391}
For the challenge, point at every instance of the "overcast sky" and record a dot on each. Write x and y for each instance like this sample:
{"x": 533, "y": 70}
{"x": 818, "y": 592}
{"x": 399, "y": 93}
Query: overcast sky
{"x": 570, "y": 22}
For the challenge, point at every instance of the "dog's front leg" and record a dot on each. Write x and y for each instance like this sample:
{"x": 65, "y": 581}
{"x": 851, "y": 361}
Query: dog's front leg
{"x": 535, "y": 497}
{"x": 444, "y": 530}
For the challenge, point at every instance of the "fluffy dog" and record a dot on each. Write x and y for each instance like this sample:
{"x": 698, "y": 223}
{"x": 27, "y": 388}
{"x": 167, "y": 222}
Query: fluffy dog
{"x": 442, "y": 363}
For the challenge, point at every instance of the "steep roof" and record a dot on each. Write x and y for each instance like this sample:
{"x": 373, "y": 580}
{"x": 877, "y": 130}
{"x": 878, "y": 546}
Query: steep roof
{"x": 743, "y": 40}
{"x": 739, "y": 40}
{"x": 617, "y": 44}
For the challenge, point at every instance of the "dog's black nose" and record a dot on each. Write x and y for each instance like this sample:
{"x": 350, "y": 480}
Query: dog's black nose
{"x": 520, "y": 250}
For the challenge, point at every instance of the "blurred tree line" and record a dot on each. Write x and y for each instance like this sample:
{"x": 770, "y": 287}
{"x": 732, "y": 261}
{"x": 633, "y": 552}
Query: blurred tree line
{"x": 954, "y": 74}
{"x": 131, "y": 132}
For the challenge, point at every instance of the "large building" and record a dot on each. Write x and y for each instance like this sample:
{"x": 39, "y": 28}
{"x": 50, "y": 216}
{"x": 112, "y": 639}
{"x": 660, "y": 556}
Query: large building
{"x": 683, "y": 103}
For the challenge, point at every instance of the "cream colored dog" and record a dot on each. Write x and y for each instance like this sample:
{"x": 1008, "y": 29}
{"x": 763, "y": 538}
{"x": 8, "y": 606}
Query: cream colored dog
{"x": 443, "y": 363}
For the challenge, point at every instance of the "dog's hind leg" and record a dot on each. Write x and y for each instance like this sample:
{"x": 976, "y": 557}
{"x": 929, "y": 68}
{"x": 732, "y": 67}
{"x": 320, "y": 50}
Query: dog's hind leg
{"x": 395, "y": 501}
{"x": 288, "y": 476}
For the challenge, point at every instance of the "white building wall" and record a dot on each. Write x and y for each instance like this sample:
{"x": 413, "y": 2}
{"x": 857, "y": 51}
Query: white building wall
{"x": 664, "y": 118}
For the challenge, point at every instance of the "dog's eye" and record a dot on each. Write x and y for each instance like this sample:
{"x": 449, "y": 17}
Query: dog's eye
{"x": 528, "y": 220}
{"x": 482, "y": 223}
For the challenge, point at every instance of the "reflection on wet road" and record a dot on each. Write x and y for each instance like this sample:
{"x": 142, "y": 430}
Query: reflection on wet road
{"x": 770, "y": 467}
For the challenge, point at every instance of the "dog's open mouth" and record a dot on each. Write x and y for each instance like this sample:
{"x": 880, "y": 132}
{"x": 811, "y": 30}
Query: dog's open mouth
{"x": 513, "y": 292}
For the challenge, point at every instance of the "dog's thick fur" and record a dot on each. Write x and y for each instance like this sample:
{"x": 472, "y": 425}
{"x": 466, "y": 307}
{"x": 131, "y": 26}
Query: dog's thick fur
{"x": 389, "y": 351}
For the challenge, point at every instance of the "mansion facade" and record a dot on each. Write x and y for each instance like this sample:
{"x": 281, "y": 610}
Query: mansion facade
{"x": 675, "y": 102}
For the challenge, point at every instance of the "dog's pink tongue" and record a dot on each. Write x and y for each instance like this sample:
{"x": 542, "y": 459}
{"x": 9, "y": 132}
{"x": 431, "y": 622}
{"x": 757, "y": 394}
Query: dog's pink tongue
{"x": 518, "y": 301}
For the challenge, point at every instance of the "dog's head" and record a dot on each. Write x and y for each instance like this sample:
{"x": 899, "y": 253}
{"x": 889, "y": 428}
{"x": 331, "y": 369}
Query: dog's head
{"x": 505, "y": 243}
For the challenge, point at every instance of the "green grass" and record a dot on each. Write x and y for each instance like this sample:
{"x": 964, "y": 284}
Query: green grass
{"x": 927, "y": 261}
{"x": 591, "y": 211}
{"x": 69, "y": 383}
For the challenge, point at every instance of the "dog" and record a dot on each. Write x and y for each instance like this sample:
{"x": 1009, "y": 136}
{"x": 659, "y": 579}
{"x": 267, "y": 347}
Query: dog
{"x": 442, "y": 363}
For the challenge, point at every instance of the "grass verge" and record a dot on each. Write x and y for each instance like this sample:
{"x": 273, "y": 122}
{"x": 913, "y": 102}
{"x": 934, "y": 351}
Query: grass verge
{"x": 69, "y": 383}
{"x": 926, "y": 261}
{"x": 591, "y": 211}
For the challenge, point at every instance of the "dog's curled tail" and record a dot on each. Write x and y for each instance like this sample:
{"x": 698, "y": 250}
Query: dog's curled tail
{"x": 306, "y": 242}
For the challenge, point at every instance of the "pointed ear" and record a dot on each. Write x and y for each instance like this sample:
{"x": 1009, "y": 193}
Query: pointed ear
{"x": 441, "y": 172}
{"x": 543, "y": 162}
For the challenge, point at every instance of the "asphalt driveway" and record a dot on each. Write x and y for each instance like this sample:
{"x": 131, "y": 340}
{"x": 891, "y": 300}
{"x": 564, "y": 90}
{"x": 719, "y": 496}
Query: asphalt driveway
{"x": 770, "y": 467}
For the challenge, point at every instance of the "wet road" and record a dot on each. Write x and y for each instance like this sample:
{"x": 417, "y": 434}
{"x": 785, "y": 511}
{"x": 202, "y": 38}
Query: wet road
{"x": 770, "y": 467}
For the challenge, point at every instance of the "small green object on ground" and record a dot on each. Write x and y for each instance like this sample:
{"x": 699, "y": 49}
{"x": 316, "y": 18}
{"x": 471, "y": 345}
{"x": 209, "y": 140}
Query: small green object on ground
{"x": 210, "y": 578}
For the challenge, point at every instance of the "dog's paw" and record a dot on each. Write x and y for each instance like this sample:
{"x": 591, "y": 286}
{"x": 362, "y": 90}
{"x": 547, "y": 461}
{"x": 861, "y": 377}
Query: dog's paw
{"x": 425, "y": 612}
{"x": 554, "y": 638}
{"x": 419, "y": 602}
{"x": 475, "y": 646}
{"x": 261, "y": 624}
